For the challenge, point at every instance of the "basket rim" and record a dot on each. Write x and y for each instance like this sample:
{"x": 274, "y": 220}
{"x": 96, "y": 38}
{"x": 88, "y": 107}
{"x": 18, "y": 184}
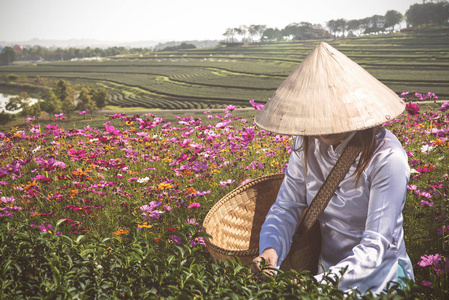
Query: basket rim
{"x": 226, "y": 198}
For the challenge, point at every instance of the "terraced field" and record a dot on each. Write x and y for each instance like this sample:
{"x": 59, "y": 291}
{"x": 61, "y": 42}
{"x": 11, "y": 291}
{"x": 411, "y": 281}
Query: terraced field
{"x": 214, "y": 77}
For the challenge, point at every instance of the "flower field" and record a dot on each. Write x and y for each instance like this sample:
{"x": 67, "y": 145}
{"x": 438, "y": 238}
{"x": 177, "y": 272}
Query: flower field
{"x": 116, "y": 212}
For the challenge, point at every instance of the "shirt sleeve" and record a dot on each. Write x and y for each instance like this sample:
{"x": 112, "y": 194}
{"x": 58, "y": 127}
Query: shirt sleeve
{"x": 388, "y": 186}
{"x": 283, "y": 217}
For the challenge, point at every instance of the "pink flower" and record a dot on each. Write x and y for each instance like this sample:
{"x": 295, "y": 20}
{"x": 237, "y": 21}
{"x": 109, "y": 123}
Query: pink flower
{"x": 440, "y": 263}
{"x": 84, "y": 112}
{"x": 192, "y": 222}
{"x": 412, "y": 109}
{"x": 111, "y": 129}
{"x": 428, "y": 260}
{"x": 426, "y": 283}
{"x": 223, "y": 124}
{"x": 426, "y": 203}
{"x": 227, "y": 182}
{"x": 255, "y": 105}
{"x": 411, "y": 187}
{"x": 194, "y": 205}
{"x": 444, "y": 107}
{"x": 245, "y": 181}
{"x": 231, "y": 107}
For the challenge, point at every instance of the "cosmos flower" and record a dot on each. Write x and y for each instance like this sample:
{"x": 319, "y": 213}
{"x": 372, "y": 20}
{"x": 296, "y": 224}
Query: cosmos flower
{"x": 412, "y": 108}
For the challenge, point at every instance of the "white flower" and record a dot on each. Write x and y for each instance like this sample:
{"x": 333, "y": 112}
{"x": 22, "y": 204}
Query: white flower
{"x": 427, "y": 148}
{"x": 143, "y": 180}
{"x": 35, "y": 150}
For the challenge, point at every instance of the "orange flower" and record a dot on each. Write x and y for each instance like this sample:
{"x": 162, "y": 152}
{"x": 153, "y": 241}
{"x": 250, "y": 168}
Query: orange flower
{"x": 144, "y": 225}
{"x": 121, "y": 232}
{"x": 191, "y": 190}
{"x": 165, "y": 185}
{"x": 429, "y": 167}
{"x": 30, "y": 184}
{"x": 73, "y": 193}
{"x": 187, "y": 173}
{"x": 438, "y": 142}
{"x": 81, "y": 172}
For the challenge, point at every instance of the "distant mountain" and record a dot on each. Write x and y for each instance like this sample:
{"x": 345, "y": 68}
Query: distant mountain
{"x": 82, "y": 43}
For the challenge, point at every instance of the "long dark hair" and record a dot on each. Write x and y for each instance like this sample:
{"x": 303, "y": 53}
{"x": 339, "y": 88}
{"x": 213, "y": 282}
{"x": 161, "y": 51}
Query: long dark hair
{"x": 365, "y": 138}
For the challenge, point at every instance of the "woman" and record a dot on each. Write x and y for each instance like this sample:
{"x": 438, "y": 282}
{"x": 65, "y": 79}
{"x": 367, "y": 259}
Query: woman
{"x": 327, "y": 102}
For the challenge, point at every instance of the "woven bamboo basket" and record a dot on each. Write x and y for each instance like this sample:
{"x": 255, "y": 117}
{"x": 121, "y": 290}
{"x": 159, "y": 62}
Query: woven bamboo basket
{"x": 235, "y": 221}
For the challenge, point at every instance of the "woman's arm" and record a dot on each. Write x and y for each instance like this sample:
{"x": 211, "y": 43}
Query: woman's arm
{"x": 281, "y": 221}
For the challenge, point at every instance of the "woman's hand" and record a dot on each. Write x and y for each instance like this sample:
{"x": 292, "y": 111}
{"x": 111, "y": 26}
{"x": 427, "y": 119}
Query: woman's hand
{"x": 270, "y": 257}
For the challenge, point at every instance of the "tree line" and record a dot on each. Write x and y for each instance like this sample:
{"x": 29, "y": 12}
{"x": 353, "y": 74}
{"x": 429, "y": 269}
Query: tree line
{"x": 417, "y": 15}
{"x": 62, "y": 97}
{"x": 37, "y": 53}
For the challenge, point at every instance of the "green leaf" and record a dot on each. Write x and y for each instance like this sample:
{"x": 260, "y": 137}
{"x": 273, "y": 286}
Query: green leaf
{"x": 78, "y": 239}
{"x": 59, "y": 222}
{"x": 86, "y": 252}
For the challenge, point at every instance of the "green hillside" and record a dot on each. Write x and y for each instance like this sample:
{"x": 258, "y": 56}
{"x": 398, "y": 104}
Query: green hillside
{"x": 212, "y": 77}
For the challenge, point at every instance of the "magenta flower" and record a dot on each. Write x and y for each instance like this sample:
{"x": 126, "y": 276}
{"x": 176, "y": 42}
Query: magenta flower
{"x": 426, "y": 283}
{"x": 84, "y": 112}
{"x": 13, "y": 168}
{"x": 248, "y": 135}
{"x": 444, "y": 229}
{"x": 196, "y": 241}
{"x": 176, "y": 239}
{"x": 255, "y": 105}
{"x": 111, "y": 129}
{"x": 444, "y": 107}
{"x": 194, "y": 205}
{"x": 412, "y": 109}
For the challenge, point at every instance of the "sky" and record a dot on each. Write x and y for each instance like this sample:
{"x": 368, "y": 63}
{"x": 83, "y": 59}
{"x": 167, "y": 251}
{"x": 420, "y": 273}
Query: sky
{"x": 170, "y": 20}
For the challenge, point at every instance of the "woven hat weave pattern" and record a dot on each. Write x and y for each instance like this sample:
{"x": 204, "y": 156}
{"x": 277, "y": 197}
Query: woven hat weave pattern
{"x": 328, "y": 93}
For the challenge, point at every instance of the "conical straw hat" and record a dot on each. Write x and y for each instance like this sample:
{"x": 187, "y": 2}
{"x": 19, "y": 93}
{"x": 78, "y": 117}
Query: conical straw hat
{"x": 328, "y": 93}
